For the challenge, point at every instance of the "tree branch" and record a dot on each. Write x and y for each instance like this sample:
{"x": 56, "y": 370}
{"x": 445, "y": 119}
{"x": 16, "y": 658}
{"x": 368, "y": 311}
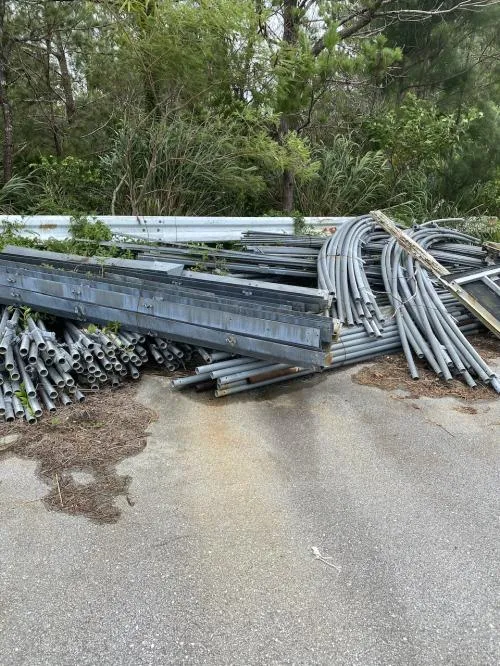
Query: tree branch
{"x": 422, "y": 14}
{"x": 353, "y": 24}
{"x": 364, "y": 17}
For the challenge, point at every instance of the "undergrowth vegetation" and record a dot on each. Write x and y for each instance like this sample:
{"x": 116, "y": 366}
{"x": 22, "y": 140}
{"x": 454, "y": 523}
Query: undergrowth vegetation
{"x": 84, "y": 239}
{"x": 159, "y": 107}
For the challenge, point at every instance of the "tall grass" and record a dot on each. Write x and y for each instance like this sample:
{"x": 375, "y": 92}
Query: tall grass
{"x": 181, "y": 166}
{"x": 13, "y": 195}
{"x": 349, "y": 182}
{"x": 484, "y": 228}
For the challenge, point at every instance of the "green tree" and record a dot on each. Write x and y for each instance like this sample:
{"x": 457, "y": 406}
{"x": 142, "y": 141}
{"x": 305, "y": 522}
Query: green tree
{"x": 249, "y": 105}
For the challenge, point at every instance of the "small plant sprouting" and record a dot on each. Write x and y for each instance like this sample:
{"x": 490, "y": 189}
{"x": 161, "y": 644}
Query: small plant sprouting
{"x": 27, "y": 313}
{"x": 300, "y": 228}
{"x": 23, "y": 397}
{"x": 112, "y": 327}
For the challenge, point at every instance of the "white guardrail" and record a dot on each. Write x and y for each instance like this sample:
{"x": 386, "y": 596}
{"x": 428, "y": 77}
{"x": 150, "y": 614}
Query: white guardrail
{"x": 170, "y": 229}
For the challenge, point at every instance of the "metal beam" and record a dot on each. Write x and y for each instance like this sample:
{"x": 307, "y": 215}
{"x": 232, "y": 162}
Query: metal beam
{"x": 477, "y": 275}
{"x": 278, "y": 337}
{"x": 170, "y": 228}
{"x": 296, "y": 298}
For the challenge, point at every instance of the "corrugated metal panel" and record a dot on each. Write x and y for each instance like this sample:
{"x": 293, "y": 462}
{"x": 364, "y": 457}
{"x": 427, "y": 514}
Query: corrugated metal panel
{"x": 172, "y": 229}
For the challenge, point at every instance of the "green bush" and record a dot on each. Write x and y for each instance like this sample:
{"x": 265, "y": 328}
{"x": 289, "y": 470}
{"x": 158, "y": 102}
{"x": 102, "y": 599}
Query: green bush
{"x": 85, "y": 236}
{"x": 70, "y": 186}
{"x": 416, "y": 135}
{"x": 423, "y": 148}
{"x": 192, "y": 165}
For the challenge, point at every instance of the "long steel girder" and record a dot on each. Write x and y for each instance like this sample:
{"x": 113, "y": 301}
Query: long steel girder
{"x": 253, "y": 331}
{"x": 279, "y": 296}
{"x": 177, "y": 294}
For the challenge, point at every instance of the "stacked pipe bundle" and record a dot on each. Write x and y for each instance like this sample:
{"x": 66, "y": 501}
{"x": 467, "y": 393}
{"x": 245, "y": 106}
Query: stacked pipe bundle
{"x": 274, "y": 246}
{"x": 424, "y": 326}
{"x": 255, "y": 238}
{"x": 426, "y": 329}
{"x": 278, "y": 264}
{"x": 278, "y": 256}
{"x": 104, "y": 355}
{"x": 40, "y": 369}
{"x": 237, "y": 374}
{"x": 232, "y": 373}
{"x": 281, "y": 256}
{"x": 341, "y": 271}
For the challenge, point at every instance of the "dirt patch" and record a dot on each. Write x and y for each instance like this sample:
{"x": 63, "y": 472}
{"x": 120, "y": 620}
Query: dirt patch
{"x": 486, "y": 344}
{"x": 391, "y": 372}
{"x": 92, "y": 437}
{"x": 465, "y": 409}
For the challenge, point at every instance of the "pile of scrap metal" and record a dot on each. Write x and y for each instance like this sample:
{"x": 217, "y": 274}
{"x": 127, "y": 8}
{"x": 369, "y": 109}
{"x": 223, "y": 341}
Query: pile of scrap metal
{"x": 270, "y": 256}
{"x": 372, "y": 297}
{"x": 43, "y": 368}
{"x": 270, "y": 321}
{"x": 139, "y": 312}
{"x": 361, "y": 266}
{"x": 238, "y": 374}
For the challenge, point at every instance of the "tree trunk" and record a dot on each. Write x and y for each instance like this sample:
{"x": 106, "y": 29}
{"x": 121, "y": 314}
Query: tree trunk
{"x": 287, "y": 180}
{"x": 150, "y": 103}
{"x": 290, "y": 36}
{"x": 287, "y": 196}
{"x": 8, "y": 125}
{"x": 151, "y": 88}
{"x": 66, "y": 81}
{"x": 54, "y": 128}
{"x": 290, "y": 20}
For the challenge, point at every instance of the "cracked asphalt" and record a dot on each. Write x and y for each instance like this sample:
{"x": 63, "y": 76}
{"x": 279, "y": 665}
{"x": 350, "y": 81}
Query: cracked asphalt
{"x": 321, "y": 522}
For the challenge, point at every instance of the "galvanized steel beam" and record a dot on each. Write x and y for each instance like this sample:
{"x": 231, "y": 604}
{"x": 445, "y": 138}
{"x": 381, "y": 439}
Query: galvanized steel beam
{"x": 64, "y": 294}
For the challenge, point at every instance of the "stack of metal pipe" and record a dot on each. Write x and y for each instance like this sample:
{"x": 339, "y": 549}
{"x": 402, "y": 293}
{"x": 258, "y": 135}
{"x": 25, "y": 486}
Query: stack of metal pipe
{"x": 250, "y": 239}
{"x": 41, "y": 369}
{"x": 277, "y": 256}
{"x": 232, "y": 374}
{"x": 341, "y": 271}
{"x": 425, "y": 327}
{"x": 278, "y": 264}
{"x": 423, "y": 324}
{"x": 423, "y": 320}
{"x": 35, "y": 371}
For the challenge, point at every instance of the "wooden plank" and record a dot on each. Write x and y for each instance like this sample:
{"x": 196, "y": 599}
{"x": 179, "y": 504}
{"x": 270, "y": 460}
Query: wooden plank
{"x": 408, "y": 244}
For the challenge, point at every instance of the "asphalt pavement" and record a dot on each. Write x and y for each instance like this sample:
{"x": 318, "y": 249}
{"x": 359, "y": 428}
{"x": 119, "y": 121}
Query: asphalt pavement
{"x": 321, "y": 522}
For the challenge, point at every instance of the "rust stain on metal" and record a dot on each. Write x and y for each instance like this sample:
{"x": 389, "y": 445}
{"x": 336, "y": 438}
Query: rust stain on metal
{"x": 328, "y": 359}
{"x": 271, "y": 374}
{"x": 329, "y": 230}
